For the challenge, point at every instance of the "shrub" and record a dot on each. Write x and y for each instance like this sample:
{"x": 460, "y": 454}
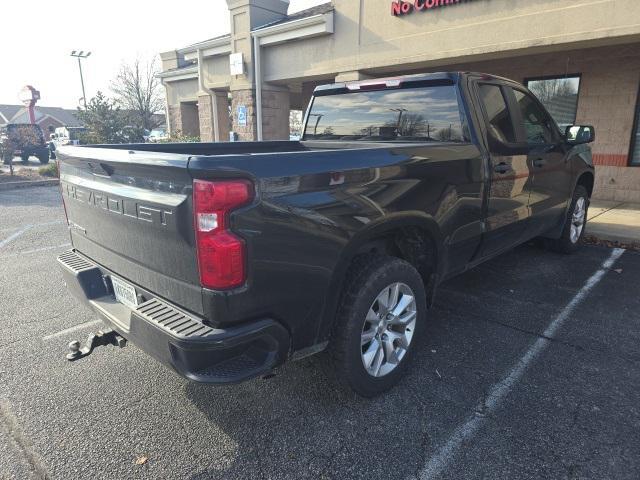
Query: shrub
{"x": 50, "y": 170}
{"x": 178, "y": 137}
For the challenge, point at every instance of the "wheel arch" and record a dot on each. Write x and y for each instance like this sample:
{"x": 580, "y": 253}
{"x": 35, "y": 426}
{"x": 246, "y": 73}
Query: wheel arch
{"x": 587, "y": 180}
{"x": 418, "y": 229}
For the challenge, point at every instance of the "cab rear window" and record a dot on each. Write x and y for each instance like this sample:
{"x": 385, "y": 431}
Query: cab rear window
{"x": 413, "y": 114}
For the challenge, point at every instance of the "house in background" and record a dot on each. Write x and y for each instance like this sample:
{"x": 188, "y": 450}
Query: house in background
{"x": 49, "y": 118}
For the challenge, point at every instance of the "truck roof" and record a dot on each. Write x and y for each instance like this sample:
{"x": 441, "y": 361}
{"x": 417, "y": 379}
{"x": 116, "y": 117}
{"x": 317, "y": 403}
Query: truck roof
{"x": 397, "y": 81}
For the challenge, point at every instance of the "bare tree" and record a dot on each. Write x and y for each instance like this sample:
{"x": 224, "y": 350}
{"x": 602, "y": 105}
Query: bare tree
{"x": 138, "y": 90}
{"x": 548, "y": 89}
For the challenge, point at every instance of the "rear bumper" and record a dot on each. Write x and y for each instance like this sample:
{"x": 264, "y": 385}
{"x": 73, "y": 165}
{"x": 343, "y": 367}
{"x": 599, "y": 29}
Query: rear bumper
{"x": 177, "y": 338}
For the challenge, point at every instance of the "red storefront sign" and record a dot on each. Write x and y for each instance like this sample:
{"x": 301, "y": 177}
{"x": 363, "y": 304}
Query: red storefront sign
{"x": 404, "y": 7}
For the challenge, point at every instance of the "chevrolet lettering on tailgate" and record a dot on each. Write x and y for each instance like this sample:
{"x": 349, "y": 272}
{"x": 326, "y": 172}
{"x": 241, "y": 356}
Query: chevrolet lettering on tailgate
{"x": 119, "y": 206}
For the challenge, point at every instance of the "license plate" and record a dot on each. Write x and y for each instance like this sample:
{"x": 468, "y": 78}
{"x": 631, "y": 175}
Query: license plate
{"x": 125, "y": 293}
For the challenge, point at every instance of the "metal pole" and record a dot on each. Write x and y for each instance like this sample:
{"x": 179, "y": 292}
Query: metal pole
{"x": 84, "y": 95}
{"x": 258, "y": 79}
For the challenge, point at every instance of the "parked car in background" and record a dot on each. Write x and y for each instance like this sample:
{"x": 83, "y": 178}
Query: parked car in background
{"x": 225, "y": 260}
{"x": 24, "y": 140}
{"x": 157, "y": 135}
{"x": 67, "y": 135}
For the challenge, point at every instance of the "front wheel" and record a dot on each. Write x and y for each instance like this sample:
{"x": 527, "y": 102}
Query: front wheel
{"x": 25, "y": 159}
{"x": 44, "y": 159}
{"x": 380, "y": 319}
{"x": 575, "y": 223}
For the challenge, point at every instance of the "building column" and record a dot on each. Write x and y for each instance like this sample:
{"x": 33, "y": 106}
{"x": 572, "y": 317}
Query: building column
{"x": 275, "y": 114}
{"x": 205, "y": 117}
{"x": 244, "y": 100}
{"x": 220, "y": 110}
{"x": 174, "y": 114}
{"x": 245, "y": 16}
{"x": 276, "y": 108}
{"x": 189, "y": 121}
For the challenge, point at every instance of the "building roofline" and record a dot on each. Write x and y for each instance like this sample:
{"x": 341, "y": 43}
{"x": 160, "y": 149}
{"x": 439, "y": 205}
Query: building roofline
{"x": 183, "y": 73}
{"x": 295, "y": 20}
{"x": 211, "y": 43}
{"x": 305, "y": 27}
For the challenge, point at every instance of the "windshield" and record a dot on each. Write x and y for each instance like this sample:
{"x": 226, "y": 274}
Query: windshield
{"x": 412, "y": 114}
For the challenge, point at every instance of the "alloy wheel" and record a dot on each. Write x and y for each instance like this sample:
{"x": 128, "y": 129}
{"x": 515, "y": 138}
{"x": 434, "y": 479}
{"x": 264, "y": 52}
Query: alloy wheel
{"x": 578, "y": 219}
{"x": 388, "y": 329}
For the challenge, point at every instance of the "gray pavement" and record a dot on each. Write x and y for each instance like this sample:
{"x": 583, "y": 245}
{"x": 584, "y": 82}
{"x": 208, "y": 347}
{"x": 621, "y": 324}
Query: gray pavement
{"x": 573, "y": 412}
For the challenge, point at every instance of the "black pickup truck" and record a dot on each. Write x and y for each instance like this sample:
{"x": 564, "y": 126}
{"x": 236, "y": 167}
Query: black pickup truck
{"x": 225, "y": 260}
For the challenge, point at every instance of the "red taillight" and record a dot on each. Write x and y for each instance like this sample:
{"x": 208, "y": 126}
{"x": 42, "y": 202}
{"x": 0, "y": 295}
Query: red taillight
{"x": 221, "y": 254}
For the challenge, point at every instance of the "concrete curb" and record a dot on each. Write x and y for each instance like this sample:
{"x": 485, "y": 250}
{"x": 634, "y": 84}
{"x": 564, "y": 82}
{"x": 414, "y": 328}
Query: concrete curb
{"x": 26, "y": 184}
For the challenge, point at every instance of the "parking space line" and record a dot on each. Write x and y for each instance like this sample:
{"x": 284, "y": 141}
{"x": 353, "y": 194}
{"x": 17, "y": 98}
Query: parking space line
{"x": 11, "y": 427}
{"x": 75, "y": 328}
{"x": 435, "y": 464}
{"x": 43, "y": 249}
{"x": 25, "y": 229}
{"x": 15, "y": 235}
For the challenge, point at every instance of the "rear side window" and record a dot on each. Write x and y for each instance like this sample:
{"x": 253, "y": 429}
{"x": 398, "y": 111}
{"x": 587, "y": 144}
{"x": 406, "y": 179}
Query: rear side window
{"x": 430, "y": 113}
{"x": 535, "y": 121}
{"x": 499, "y": 119}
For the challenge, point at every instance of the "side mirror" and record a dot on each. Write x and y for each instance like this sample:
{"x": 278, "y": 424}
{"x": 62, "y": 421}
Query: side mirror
{"x": 578, "y": 134}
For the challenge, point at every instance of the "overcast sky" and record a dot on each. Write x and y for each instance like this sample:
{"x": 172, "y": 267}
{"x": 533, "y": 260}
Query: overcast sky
{"x": 38, "y": 37}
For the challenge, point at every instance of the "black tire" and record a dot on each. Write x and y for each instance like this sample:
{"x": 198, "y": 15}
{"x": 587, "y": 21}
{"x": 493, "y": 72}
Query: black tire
{"x": 368, "y": 277}
{"x": 24, "y": 159}
{"x": 44, "y": 159}
{"x": 568, "y": 243}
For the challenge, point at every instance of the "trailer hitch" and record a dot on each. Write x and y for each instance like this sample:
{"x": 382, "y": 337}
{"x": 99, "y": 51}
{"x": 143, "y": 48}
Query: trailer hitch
{"x": 102, "y": 337}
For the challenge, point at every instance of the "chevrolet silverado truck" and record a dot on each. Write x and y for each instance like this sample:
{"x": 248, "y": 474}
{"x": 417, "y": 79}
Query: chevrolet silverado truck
{"x": 225, "y": 260}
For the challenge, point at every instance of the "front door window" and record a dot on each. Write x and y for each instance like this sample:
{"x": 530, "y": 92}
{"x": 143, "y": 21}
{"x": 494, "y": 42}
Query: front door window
{"x": 537, "y": 125}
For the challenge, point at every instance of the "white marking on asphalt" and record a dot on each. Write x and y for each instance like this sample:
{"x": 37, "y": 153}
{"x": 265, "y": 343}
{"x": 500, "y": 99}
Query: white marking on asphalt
{"x": 26, "y": 252}
{"x": 15, "y": 235}
{"x": 62, "y": 333}
{"x": 25, "y": 229}
{"x": 440, "y": 460}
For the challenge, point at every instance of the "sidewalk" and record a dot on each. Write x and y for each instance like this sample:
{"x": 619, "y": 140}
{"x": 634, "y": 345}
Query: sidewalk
{"x": 614, "y": 222}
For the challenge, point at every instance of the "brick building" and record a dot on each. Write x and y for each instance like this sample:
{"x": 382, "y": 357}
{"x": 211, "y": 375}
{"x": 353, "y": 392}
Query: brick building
{"x": 49, "y": 118}
{"x": 581, "y": 57}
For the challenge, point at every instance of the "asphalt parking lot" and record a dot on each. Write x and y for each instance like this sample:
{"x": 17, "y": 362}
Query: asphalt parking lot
{"x": 530, "y": 369}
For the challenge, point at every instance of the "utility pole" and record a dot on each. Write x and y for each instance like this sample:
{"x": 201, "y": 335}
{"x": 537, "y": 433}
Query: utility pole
{"x": 80, "y": 55}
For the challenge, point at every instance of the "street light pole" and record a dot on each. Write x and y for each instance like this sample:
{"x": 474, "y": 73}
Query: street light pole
{"x": 80, "y": 55}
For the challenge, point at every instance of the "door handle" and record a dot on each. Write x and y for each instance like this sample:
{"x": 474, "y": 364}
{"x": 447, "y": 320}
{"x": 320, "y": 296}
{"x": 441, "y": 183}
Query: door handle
{"x": 501, "y": 168}
{"x": 539, "y": 162}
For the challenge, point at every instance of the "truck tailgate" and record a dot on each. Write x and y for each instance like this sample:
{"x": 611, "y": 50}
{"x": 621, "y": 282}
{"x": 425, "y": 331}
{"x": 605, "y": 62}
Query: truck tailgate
{"x": 131, "y": 213}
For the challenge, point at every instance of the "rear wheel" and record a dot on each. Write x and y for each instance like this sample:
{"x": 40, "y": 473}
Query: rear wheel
{"x": 24, "y": 158}
{"x": 380, "y": 319}
{"x": 575, "y": 222}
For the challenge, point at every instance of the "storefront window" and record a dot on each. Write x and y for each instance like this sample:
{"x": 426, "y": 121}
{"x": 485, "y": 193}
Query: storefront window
{"x": 635, "y": 140}
{"x": 559, "y": 95}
